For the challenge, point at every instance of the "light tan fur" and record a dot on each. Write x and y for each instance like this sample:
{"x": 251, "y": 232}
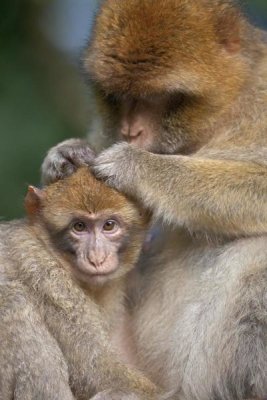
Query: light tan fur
{"x": 187, "y": 81}
{"x": 55, "y": 330}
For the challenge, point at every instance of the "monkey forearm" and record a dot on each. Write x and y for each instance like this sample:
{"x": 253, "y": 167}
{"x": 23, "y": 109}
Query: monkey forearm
{"x": 226, "y": 197}
{"x": 93, "y": 367}
{"x": 222, "y": 196}
{"x": 31, "y": 363}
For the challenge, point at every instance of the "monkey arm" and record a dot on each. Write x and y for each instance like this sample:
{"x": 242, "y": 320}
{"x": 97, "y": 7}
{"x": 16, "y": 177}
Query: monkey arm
{"x": 76, "y": 324}
{"x": 93, "y": 366}
{"x": 31, "y": 363}
{"x": 226, "y": 197}
{"x": 79, "y": 328}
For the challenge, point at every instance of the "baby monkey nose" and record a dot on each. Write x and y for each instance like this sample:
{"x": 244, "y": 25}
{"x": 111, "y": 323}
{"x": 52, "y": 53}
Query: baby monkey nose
{"x": 97, "y": 260}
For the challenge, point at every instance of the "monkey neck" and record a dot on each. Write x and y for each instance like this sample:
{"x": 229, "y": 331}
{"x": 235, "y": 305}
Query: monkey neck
{"x": 110, "y": 298}
{"x": 104, "y": 295}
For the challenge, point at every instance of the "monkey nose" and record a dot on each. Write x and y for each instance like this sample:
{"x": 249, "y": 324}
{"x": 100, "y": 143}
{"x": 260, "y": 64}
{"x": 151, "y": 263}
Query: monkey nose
{"x": 135, "y": 133}
{"x": 125, "y": 130}
{"x": 97, "y": 261}
{"x": 132, "y": 132}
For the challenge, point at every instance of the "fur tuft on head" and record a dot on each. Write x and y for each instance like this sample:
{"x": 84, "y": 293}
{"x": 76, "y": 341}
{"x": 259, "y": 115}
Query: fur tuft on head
{"x": 79, "y": 193}
{"x": 140, "y": 47}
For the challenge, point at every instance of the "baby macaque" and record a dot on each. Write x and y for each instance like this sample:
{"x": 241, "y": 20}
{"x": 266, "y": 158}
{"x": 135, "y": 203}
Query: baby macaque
{"x": 62, "y": 276}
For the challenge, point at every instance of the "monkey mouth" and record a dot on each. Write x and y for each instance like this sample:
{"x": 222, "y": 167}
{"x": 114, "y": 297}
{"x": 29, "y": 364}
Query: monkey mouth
{"x": 95, "y": 276}
{"x": 90, "y": 273}
{"x": 99, "y": 274}
{"x": 98, "y": 279}
{"x": 87, "y": 272}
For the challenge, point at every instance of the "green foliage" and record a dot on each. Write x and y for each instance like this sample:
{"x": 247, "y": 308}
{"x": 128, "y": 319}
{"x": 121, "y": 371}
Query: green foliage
{"x": 29, "y": 126}
{"x": 258, "y": 11}
{"x": 31, "y": 122}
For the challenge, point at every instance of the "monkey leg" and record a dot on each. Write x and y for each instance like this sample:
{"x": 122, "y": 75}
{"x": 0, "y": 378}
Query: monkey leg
{"x": 32, "y": 366}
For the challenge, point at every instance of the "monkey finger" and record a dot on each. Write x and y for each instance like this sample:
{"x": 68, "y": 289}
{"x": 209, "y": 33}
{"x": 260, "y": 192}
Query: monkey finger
{"x": 64, "y": 159}
{"x": 118, "y": 166}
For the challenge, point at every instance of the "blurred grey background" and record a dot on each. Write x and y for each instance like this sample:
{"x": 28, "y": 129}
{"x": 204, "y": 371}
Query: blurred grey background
{"x": 43, "y": 98}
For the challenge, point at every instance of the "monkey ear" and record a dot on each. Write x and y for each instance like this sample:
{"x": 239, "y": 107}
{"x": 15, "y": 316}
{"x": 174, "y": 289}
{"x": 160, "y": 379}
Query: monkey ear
{"x": 146, "y": 216}
{"x": 229, "y": 28}
{"x": 33, "y": 200}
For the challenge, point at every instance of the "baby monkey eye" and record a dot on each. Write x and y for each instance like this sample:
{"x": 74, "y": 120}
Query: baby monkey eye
{"x": 79, "y": 226}
{"x": 110, "y": 225}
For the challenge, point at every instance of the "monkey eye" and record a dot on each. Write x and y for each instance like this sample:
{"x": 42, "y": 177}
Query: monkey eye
{"x": 110, "y": 225}
{"x": 79, "y": 226}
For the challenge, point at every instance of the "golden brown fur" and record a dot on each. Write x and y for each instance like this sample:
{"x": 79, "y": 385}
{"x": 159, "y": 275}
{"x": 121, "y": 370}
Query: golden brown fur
{"x": 142, "y": 47}
{"x": 138, "y": 58}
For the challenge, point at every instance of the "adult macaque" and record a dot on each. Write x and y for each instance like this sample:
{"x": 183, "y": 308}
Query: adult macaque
{"x": 187, "y": 81}
{"x": 62, "y": 277}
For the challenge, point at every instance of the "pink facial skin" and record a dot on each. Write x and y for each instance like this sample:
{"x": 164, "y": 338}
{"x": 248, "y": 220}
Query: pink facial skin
{"x": 96, "y": 243}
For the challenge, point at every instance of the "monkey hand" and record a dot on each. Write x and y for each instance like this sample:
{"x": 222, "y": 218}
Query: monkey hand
{"x": 120, "y": 166}
{"x": 64, "y": 159}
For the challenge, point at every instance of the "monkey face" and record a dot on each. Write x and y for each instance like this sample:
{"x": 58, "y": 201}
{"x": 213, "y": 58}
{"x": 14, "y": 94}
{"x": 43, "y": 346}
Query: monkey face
{"x": 97, "y": 247}
{"x": 92, "y": 226}
{"x": 148, "y": 122}
{"x": 163, "y": 67}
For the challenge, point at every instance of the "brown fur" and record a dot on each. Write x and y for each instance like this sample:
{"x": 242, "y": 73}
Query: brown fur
{"x": 187, "y": 80}
{"x": 144, "y": 46}
{"x": 203, "y": 49}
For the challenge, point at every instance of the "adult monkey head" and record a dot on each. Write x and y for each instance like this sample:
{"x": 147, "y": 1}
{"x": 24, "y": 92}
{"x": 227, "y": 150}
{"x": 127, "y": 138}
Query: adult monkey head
{"x": 164, "y": 70}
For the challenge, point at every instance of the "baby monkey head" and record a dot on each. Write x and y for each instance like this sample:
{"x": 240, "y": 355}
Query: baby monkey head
{"x": 98, "y": 231}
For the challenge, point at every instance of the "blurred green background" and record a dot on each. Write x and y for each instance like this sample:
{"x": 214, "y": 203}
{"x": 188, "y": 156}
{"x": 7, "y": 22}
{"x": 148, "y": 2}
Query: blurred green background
{"x": 43, "y": 98}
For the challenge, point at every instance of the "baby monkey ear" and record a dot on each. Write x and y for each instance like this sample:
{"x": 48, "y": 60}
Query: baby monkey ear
{"x": 229, "y": 28}
{"x": 146, "y": 216}
{"x": 33, "y": 200}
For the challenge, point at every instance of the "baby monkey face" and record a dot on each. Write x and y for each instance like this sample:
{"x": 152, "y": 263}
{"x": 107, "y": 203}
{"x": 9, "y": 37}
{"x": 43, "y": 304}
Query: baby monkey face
{"x": 97, "y": 230}
{"x": 94, "y": 243}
